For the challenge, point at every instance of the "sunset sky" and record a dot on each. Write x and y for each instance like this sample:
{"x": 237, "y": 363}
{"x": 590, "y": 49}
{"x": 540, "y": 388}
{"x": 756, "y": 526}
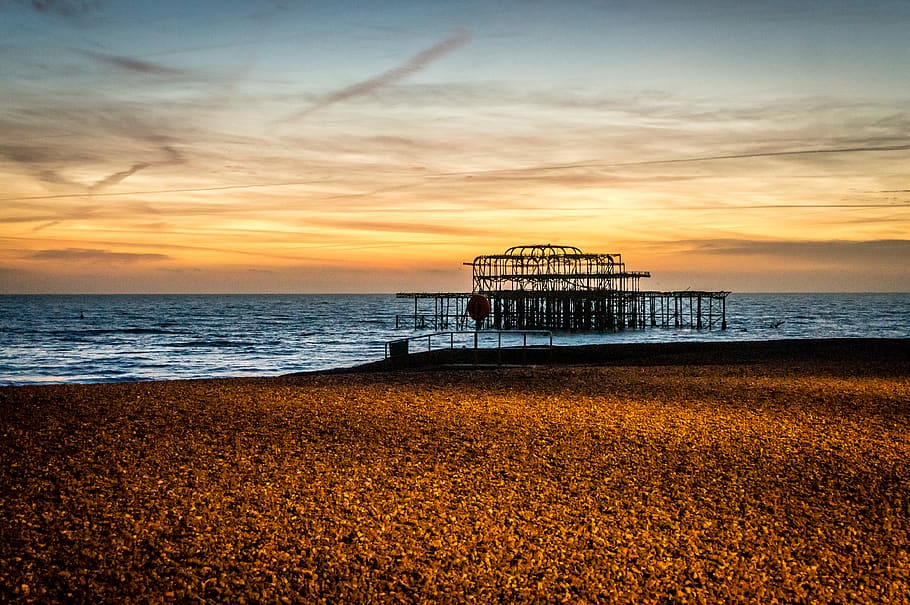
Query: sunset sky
{"x": 227, "y": 146}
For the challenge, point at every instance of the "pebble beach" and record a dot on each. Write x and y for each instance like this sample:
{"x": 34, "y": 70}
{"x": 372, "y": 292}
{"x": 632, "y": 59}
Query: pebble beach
{"x": 762, "y": 482}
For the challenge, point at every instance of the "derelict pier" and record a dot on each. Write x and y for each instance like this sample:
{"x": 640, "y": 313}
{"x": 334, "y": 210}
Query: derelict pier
{"x": 545, "y": 287}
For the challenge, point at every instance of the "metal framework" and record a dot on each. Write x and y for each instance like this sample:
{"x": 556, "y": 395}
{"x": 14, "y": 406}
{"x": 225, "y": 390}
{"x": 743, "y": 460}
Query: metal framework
{"x": 546, "y": 287}
{"x": 548, "y": 268}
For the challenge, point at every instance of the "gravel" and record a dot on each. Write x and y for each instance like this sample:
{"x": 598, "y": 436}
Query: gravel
{"x": 738, "y": 483}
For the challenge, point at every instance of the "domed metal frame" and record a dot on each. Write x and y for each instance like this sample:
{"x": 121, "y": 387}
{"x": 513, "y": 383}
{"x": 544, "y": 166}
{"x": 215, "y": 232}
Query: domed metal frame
{"x": 549, "y": 268}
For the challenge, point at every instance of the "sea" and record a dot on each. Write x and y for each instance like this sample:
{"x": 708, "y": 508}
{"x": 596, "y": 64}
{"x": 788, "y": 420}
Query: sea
{"x": 114, "y": 338}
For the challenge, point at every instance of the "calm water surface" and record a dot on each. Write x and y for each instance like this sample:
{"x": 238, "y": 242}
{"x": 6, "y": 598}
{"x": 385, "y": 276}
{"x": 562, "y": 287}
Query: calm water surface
{"x": 150, "y": 337}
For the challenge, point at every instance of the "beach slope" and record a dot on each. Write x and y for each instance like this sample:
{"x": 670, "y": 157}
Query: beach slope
{"x": 782, "y": 480}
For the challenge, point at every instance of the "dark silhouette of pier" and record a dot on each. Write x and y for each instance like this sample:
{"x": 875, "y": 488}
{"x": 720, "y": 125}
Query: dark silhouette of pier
{"x": 545, "y": 287}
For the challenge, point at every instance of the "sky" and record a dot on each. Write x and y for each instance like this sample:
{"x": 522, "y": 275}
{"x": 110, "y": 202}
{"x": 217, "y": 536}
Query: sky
{"x": 343, "y": 147}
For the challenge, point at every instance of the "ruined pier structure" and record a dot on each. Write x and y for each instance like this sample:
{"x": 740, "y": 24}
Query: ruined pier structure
{"x": 562, "y": 288}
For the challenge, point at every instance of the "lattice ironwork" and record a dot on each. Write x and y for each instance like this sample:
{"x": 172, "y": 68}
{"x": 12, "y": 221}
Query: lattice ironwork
{"x": 548, "y": 268}
{"x": 562, "y": 288}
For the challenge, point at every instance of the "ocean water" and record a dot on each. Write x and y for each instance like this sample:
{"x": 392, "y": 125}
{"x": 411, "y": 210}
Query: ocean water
{"x": 88, "y": 338}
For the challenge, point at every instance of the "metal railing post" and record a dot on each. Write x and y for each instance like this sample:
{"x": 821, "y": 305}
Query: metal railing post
{"x": 476, "y": 334}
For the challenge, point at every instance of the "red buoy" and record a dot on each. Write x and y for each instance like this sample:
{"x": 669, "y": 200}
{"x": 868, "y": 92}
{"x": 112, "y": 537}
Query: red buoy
{"x": 478, "y": 307}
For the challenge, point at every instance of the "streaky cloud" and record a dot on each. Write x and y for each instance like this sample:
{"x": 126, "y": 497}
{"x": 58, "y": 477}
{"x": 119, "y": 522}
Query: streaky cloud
{"x": 45, "y": 226}
{"x": 694, "y": 159}
{"x": 29, "y": 219}
{"x": 174, "y": 158}
{"x": 53, "y": 177}
{"x": 131, "y": 65}
{"x": 95, "y": 255}
{"x": 115, "y": 178}
{"x": 400, "y": 227}
{"x": 35, "y": 160}
{"x": 769, "y": 154}
{"x": 63, "y": 8}
{"x": 166, "y": 191}
{"x": 872, "y": 249}
{"x": 413, "y": 65}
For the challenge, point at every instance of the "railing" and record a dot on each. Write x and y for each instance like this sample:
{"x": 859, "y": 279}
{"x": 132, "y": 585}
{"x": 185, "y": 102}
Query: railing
{"x": 469, "y": 339}
{"x": 428, "y": 319}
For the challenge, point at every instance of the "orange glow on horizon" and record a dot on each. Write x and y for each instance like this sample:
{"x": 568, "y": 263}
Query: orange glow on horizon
{"x": 136, "y": 161}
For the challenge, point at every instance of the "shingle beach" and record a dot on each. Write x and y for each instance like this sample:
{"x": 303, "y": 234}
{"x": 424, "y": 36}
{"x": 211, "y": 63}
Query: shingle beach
{"x": 743, "y": 482}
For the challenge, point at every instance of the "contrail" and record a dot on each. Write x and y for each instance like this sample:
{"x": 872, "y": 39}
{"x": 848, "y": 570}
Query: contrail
{"x": 415, "y": 64}
{"x": 770, "y": 154}
{"x": 176, "y": 158}
{"x": 688, "y": 160}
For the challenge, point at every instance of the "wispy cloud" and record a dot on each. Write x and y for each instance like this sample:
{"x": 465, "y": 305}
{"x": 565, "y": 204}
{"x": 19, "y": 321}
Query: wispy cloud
{"x": 815, "y": 250}
{"x": 64, "y": 8}
{"x": 102, "y": 135}
{"x": 113, "y": 179}
{"x": 173, "y": 158}
{"x": 36, "y": 160}
{"x": 94, "y": 256}
{"x": 45, "y": 226}
{"x": 164, "y": 191}
{"x": 413, "y": 65}
{"x": 132, "y": 65}
{"x": 402, "y": 227}
{"x": 769, "y": 154}
{"x": 694, "y": 159}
